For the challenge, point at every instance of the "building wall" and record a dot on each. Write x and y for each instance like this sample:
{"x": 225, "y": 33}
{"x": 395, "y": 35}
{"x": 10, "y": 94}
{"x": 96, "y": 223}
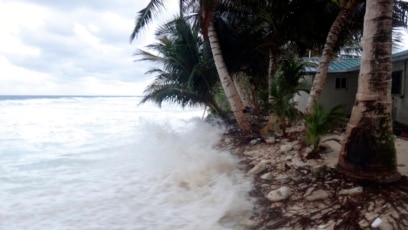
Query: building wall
{"x": 332, "y": 96}
{"x": 400, "y": 101}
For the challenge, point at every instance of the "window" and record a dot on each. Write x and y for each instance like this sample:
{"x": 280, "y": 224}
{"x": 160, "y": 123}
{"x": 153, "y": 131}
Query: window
{"x": 396, "y": 87}
{"x": 341, "y": 83}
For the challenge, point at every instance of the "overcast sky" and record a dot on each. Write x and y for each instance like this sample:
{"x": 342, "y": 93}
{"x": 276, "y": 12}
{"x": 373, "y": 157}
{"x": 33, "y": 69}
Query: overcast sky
{"x": 74, "y": 47}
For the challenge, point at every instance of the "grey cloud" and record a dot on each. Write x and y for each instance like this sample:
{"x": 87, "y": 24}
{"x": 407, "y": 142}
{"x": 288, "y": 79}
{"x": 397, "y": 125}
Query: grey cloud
{"x": 124, "y": 6}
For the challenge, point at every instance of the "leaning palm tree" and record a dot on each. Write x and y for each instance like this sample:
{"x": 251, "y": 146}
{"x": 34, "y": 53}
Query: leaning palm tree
{"x": 206, "y": 12}
{"x": 339, "y": 23}
{"x": 187, "y": 75}
{"x": 236, "y": 104}
{"x": 368, "y": 148}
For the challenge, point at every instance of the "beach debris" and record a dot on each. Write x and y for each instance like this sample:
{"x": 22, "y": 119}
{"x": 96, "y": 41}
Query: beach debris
{"x": 279, "y": 194}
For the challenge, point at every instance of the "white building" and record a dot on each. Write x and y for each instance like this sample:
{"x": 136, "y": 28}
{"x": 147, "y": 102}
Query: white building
{"x": 342, "y": 80}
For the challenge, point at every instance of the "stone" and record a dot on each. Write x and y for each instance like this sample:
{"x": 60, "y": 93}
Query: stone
{"x": 308, "y": 150}
{"x": 308, "y": 191}
{"x": 252, "y": 153}
{"x": 228, "y": 140}
{"x": 317, "y": 195}
{"x": 370, "y": 216}
{"x": 258, "y": 168}
{"x": 270, "y": 140}
{"x": 294, "y": 174}
{"x": 329, "y": 226}
{"x": 285, "y": 148}
{"x": 255, "y": 141}
{"x": 248, "y": 223}
{"x": 351, "y": 191}
{"x": 319, "y": 170}
{"x": 395, "y": 214}
{"x": 363, "y": 223}
{"x": 267, "y": 176}
{"x": 376, "y": 222}
{"x": 371, "y": 207}
{"x": 280, "y": 194}
{"x": 386, "y": 225}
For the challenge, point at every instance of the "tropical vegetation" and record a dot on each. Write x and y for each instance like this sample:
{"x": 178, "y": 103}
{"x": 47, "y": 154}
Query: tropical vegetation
{"x": 250, "y": 52}
{"x": 321, "y": 121}
{"x": 187, "y": 75}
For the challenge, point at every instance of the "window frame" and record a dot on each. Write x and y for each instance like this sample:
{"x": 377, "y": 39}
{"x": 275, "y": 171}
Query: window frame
{"x": 341, "y": 83}
{"x": 394, "y": 90}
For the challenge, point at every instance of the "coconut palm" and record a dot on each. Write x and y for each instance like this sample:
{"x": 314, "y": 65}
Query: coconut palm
{"x": 400, "y": 9}
{"x": 347, "y": 7}
{"x": 206, "y": 12}
{"x": 368, "y": 148}
{"x": 236, "y": 104}
{"x": 188, "y": 75}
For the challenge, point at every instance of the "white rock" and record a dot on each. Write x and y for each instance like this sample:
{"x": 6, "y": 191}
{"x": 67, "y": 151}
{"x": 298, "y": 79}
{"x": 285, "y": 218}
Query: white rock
{"x": 267, "y": 176}
{"x": 308, "y": 191}
{"x": 329, "y": 226}
{"x": 270, "y": 140}
{"x": 351, "y": 191}
{"x": 279, "y": 194}
{"x": 255, "y": 141}
{"x": 376, "y": 223}
{"x": 258, "y": 168}
{"x": 317, "y": 195}
{"x": 286, "y": 148}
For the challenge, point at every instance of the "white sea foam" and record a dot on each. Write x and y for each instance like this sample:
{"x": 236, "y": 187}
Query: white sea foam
{"x": 106, "y": 163}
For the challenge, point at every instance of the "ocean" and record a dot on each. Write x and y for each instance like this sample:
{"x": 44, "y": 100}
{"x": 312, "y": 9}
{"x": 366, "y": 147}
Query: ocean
{"x": 109, "y": 163}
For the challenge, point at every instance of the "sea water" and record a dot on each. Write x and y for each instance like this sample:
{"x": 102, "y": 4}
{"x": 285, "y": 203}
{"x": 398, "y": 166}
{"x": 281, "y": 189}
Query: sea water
{"x": 109, "y": 163}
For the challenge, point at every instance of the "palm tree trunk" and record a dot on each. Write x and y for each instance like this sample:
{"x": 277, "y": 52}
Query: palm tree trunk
{"x": 368, "y": 148}
{"x": 328, "y": 53}
{"x": 228, "y": 85}
{"x": 272, "y": 67}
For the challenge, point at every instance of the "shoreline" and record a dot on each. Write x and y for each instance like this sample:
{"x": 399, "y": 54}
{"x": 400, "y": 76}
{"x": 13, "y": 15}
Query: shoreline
{"x": 290, "y": 193}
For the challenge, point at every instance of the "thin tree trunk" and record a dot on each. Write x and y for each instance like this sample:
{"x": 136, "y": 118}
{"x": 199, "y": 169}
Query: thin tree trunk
{"x": 243, "y": 88}
{"x": 328, "y": 53}
{"x": 228, "y": 85}
{"x": 272, "y": 67}
{"x": 368, "y": 148}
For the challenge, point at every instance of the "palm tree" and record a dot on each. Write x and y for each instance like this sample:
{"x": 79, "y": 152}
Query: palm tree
{"x": 206, "y": 10}
{"x": 188, "y": 75}
{"x": 368, "y": 149}
{"x": 236, "y": 104}
{"x": 328, "y": 51}
{"x": 339, "y": 25}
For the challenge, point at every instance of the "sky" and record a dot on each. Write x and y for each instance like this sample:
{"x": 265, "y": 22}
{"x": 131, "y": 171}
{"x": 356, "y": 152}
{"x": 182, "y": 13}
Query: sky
{"x": 75, "y": 47}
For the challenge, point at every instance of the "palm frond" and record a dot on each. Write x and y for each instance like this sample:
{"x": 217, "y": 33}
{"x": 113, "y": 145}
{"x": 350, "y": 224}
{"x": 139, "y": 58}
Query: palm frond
{"x": 145, "y": 16}
{"x": 321, "y": 121}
